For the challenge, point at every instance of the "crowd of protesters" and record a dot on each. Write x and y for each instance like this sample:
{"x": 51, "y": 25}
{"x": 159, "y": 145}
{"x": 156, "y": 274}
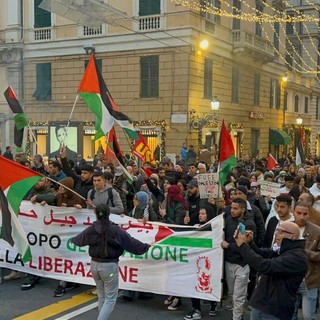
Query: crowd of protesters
{"x": 270, "y": 265}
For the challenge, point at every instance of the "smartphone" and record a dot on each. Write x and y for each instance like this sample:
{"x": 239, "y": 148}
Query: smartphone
{"x": 242, "y": 228}
{"x": 187, "y": 213}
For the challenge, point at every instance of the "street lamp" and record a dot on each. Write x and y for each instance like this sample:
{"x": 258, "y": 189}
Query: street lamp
{"x": 299, "y": 121}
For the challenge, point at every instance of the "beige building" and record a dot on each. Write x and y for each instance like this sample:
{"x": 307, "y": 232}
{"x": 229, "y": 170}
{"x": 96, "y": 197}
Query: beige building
{"x": 150, "y": 57}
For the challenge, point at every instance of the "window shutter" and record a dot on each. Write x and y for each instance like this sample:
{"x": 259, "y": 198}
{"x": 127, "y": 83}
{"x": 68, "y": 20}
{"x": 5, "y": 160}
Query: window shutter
{"x": 44, "y": 81}
{"x": 42, "y": 18}
{"x": 278, "y": 94}
{"x": 149, "y": 7}
{"x": 149, "y": 76}
{"x": 207, "y": 79}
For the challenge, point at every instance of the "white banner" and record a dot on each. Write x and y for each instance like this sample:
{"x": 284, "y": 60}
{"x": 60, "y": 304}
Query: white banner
{"x": 184, "y": 262}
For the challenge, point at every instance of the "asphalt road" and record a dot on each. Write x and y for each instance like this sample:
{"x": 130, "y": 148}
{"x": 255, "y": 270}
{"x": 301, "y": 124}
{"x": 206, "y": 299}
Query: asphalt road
{"x": 79, "y": 303}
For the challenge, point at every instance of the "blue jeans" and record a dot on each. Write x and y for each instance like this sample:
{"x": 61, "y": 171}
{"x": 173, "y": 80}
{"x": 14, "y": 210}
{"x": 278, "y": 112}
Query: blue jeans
{"x": 309, "y": 302}
{"x": 106, "y": 277}
{"x": 258, "y": 315}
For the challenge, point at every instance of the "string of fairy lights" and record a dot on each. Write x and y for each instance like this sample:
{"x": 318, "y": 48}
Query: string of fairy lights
{"x": 307, "y": 69}
{"x": 256, "y": 14}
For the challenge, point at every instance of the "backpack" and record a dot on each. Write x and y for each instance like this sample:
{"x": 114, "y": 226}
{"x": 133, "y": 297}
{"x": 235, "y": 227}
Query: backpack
{"x": 110, "y": 196}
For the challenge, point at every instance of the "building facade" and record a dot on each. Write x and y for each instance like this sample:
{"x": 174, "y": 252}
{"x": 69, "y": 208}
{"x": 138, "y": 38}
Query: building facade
{"x": 150, "y": 56}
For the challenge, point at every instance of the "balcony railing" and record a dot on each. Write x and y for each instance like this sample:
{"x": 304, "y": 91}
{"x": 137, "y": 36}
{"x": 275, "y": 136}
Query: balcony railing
{"x": 87, "y": 31}
{"x": 244, "y": 40}
{"x": 150, "y": 23}
{"x": 42, "y": 34}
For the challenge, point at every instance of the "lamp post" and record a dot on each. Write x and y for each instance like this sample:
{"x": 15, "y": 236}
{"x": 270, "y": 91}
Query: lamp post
{"x": 299, "y": 141}
{"x": 299, "y": 121}
{"x": 215, "y": 105}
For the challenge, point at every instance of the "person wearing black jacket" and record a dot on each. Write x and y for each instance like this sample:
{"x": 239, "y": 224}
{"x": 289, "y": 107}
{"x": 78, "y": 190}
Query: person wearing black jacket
{"x": 82, "y": 183}
{"x": 281, "y": 271}
{"x": 237, "y": 270}
{"x": 106, "y": 242}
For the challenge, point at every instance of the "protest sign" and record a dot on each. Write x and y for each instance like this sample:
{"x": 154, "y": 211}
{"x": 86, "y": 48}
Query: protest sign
{"x": 270, "y": 189}
{"x": 208, "y": 185}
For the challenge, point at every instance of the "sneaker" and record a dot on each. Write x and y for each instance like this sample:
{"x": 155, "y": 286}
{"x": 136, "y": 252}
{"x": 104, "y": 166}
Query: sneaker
{"x": 193, "y": 315}
{"x": 175, "y": 305}
{"x": 71, "y": 285}
{"x": 213, "y": 312}
{"x": 228, "y": 307}
{"x": 13, "y": 275}
{"x": 168, "y": 301}
{"x": 29, "y": 282}
{"x": 60, "y": 291}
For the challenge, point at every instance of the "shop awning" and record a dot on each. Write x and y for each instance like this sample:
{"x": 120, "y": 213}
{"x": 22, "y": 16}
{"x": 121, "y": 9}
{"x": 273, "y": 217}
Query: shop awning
{"x": 279, "y": 137}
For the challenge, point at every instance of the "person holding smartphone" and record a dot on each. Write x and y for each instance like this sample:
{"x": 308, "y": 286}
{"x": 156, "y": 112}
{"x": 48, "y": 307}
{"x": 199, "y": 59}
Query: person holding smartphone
{"x": 237, "y": 270}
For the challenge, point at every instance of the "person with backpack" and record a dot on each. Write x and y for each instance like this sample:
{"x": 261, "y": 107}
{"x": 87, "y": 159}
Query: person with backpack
{"x": 103, "y": 193}
{"x": 107, "y": 241}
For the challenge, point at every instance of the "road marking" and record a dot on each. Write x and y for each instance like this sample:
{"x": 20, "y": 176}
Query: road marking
{"x": 79, "y": 311}
{"x": 59, "y": 307}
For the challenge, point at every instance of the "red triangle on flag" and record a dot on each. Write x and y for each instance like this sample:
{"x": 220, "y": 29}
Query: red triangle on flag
{"x": 271, "y": 162}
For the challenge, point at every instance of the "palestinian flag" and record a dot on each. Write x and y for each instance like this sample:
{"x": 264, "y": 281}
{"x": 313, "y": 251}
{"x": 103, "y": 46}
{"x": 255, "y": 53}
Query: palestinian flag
{"x": 96, "y": 95}
{"x": 271, "y": 162}
{"x": 14, "y": 185}
{"x": 299, "y": 146}
{"x": 20, "y": 119}
{"x": 115, "y": 156}
{"x": 227, "y": 159}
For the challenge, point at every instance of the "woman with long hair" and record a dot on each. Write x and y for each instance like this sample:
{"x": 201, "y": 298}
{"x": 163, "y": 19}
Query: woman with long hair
{"x": 106, "y": 242}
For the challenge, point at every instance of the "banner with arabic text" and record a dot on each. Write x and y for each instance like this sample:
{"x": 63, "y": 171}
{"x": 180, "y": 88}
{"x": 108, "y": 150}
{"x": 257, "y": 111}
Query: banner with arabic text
{"x": 184, "y": 261}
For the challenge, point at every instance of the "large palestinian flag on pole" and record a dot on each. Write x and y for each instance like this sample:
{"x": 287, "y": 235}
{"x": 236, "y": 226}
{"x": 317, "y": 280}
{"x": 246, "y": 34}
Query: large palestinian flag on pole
{"x": 96, "y": 95}
{"x": 15, "y": 182}
{"x": 20, "y": 118}
{"x": 227, "y": 158}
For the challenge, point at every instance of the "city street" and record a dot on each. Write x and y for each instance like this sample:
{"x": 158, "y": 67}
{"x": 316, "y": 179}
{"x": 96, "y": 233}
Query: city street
{"x": 39, "y": 303}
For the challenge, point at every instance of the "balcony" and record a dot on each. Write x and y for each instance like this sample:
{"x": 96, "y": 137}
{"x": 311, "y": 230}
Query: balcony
{"x": 42, "y": 34}
{"x": 247, "y": 44}
{"x": 149, "y": 23}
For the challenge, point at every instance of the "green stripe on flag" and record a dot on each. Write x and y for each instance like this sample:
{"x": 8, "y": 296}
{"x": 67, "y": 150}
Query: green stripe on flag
{"x": 18, "y": 190}
{"x": 187, "y": 242}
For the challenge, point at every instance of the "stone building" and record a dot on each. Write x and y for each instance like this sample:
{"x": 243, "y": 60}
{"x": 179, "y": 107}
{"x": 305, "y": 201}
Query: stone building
{"x": 166, "y": 65}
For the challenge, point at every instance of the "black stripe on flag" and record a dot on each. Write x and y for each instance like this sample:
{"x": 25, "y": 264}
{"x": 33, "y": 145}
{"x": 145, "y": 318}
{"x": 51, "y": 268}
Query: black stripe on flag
{"x": 6, "y": 228}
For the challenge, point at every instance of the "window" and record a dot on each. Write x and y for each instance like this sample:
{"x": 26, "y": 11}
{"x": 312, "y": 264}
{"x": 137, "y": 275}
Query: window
{"x": 274, "y": 93}
{"x": 290, "y": 25}
{"x": 210, "y": 4}
{"x": 207, "y": 79}
{"x": 149, "y": 7}
{"x": 43, "y": 80}
{"x": 256, "y": 90}
{"x": 235, "y": 85}
{"x": 255, "y": 137}
{"x": 276, "y": 35}
{"x": 259, "y": 10}
{"x": 42, "y": 18}
{"x": 236, "y": 11}
{"x": 99, "y": 64}
{"x": 149, "y": 76}
{"x": 306, "y": 105}
{"x": 285, "y": 100}
{"x": 296, "y": 104}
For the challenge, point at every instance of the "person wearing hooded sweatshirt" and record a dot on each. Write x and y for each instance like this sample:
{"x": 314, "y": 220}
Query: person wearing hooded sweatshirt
{"x": 143, "y": 212}
{"x": 142, "y": 209}
{"x": 173, "y": 211}
{"x": 65, "y": 197}
{"x": 206, "y": 213}
{"x": 106, "y": 242}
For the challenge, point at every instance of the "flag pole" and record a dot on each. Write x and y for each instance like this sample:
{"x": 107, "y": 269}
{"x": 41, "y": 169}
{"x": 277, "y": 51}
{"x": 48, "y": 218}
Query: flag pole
{"x": 72, "y": 110}
{"x": 33, "y": 136}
